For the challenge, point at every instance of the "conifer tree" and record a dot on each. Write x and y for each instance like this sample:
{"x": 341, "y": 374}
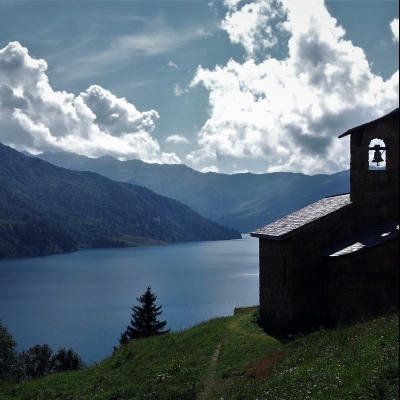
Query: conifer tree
{"x": 9, "y": 365}
{"x": 67, "y": 360}
{"x": 144, "y": 322}
{"x": 37, "y": 361}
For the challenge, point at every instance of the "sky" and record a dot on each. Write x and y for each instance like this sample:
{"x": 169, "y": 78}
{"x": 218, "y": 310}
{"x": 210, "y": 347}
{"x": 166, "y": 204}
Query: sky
{"x": 221, "y": 86}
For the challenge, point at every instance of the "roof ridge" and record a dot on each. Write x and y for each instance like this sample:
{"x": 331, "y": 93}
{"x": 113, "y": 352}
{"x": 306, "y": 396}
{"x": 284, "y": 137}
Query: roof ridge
{"x": 366, "y": 123}
{"x": 302, "y": 218}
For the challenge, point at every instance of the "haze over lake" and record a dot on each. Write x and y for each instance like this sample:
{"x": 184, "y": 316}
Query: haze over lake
{"x": 83, "y": 300}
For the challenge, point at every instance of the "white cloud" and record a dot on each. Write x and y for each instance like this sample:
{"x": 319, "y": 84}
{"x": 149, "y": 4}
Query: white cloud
{"x": 178, "y": 139}
{"x": 231, "y": 4}
{"x": 203, "y": 33}
{"x": 394, "y": 26}
{"x": 211, "y": 168}
{"x": 35, "y": 117}
{"x": 381, "y": 45}
{"x": 289, "y": 112}
{"x": 158, "y": 38}
{"x": 172, "y": 64}
{"x": 143, "y": 44}
{"x": 178, "y": 91}
{"x": 251, "y": 25}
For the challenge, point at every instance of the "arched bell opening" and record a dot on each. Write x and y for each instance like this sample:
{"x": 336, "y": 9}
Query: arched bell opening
{"x": 377, "y": 155}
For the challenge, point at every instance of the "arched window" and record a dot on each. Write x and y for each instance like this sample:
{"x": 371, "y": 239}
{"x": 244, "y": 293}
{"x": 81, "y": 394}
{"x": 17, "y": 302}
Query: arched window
{"x": 377, "y": 155}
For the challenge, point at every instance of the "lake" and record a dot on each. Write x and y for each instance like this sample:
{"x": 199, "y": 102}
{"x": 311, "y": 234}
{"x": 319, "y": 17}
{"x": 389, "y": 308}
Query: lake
{"x": 83, "y": 299}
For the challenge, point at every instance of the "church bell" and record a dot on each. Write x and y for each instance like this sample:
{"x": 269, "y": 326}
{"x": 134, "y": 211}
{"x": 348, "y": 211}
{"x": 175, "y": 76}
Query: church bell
{"x": 377, "y": 154}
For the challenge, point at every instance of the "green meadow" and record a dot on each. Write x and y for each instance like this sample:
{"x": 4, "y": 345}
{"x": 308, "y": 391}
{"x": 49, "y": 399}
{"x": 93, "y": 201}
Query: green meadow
{"x": 232, "y": 358}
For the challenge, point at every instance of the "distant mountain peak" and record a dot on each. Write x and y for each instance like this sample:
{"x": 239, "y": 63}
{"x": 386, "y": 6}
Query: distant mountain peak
{"x": 244, "y": 201}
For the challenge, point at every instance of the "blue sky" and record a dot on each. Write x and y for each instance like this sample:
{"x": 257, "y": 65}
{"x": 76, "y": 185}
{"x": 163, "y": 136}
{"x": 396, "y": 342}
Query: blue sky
{"x": 222, "y": 86}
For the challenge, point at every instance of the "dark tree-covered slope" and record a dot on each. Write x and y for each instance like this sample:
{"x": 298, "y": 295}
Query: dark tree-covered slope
{"x": 244, "y": 201}
{"x": 62, "y": 209}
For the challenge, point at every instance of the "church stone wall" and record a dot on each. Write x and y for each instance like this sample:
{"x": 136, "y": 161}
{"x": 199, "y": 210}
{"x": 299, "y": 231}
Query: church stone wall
{"x": 276, "y": 297}
{"x": 376, "y": 192}
{"x": 297, "y": 283}
{"x": 293, "y": 274}
{"x": 361, "y": 286}
{"x": 299, "y": 286}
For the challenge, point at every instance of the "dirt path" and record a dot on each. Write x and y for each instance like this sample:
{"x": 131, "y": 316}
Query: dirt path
{"x": 210, "y": 381}
{"x": 235, "y": 326}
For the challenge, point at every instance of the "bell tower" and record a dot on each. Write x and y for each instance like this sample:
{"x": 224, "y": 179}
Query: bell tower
{"x": 374, "y": 168}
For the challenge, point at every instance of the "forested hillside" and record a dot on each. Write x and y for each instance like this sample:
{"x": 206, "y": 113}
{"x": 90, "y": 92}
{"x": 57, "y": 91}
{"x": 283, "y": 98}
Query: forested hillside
{"x": 47, "y": 209}
{"x": 243, "y": 201}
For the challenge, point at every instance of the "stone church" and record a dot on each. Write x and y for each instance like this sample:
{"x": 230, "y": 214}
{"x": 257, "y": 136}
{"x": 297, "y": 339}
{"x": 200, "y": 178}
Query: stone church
{"x": 336, "y": 261}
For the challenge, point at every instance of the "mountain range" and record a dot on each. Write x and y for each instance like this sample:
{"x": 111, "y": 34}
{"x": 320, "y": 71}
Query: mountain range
{"x": 243, "y": 201}
{"x": 47, "y": 209}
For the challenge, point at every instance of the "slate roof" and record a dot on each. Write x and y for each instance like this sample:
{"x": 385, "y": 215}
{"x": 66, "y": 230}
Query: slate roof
{"x": 302, "y": 218}
{"x": 352, "y": 130}
{"x": 369, "y": 238}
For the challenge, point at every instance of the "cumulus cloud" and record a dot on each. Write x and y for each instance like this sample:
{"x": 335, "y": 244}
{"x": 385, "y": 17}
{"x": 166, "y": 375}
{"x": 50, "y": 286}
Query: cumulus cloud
{"x": 35, "y": 117}
{"x": 394, "y": 26}
{"x": 231, "y": 4}
{"x": 251, "y": 25}
{"x": 289, "y": 111}
{"x": 178, "y": 139}
{"x": 211, "y": 168}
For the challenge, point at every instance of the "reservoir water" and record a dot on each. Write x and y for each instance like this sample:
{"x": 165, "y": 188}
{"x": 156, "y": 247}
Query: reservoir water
{"x": 83, "y": 300}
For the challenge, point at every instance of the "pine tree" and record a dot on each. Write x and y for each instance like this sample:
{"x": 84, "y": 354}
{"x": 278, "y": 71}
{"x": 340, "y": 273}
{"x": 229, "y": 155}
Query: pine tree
{"x": 144, "y": 322}
{"x": 9, "y": 365}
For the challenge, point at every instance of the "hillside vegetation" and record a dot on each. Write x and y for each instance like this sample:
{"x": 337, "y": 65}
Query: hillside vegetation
{"x": 243, "y": 201}
{"x": 231, "y": 358}
{"x": 46, "y": 209}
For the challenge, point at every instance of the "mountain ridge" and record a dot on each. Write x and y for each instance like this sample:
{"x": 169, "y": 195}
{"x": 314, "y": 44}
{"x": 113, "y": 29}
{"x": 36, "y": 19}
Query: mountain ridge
{"x": 243, "y": 201}
{"x": 84, "y": 208}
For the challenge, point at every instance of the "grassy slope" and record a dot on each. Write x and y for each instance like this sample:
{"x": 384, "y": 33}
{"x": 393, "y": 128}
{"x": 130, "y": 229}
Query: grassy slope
{"x": 231, "y": 358}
